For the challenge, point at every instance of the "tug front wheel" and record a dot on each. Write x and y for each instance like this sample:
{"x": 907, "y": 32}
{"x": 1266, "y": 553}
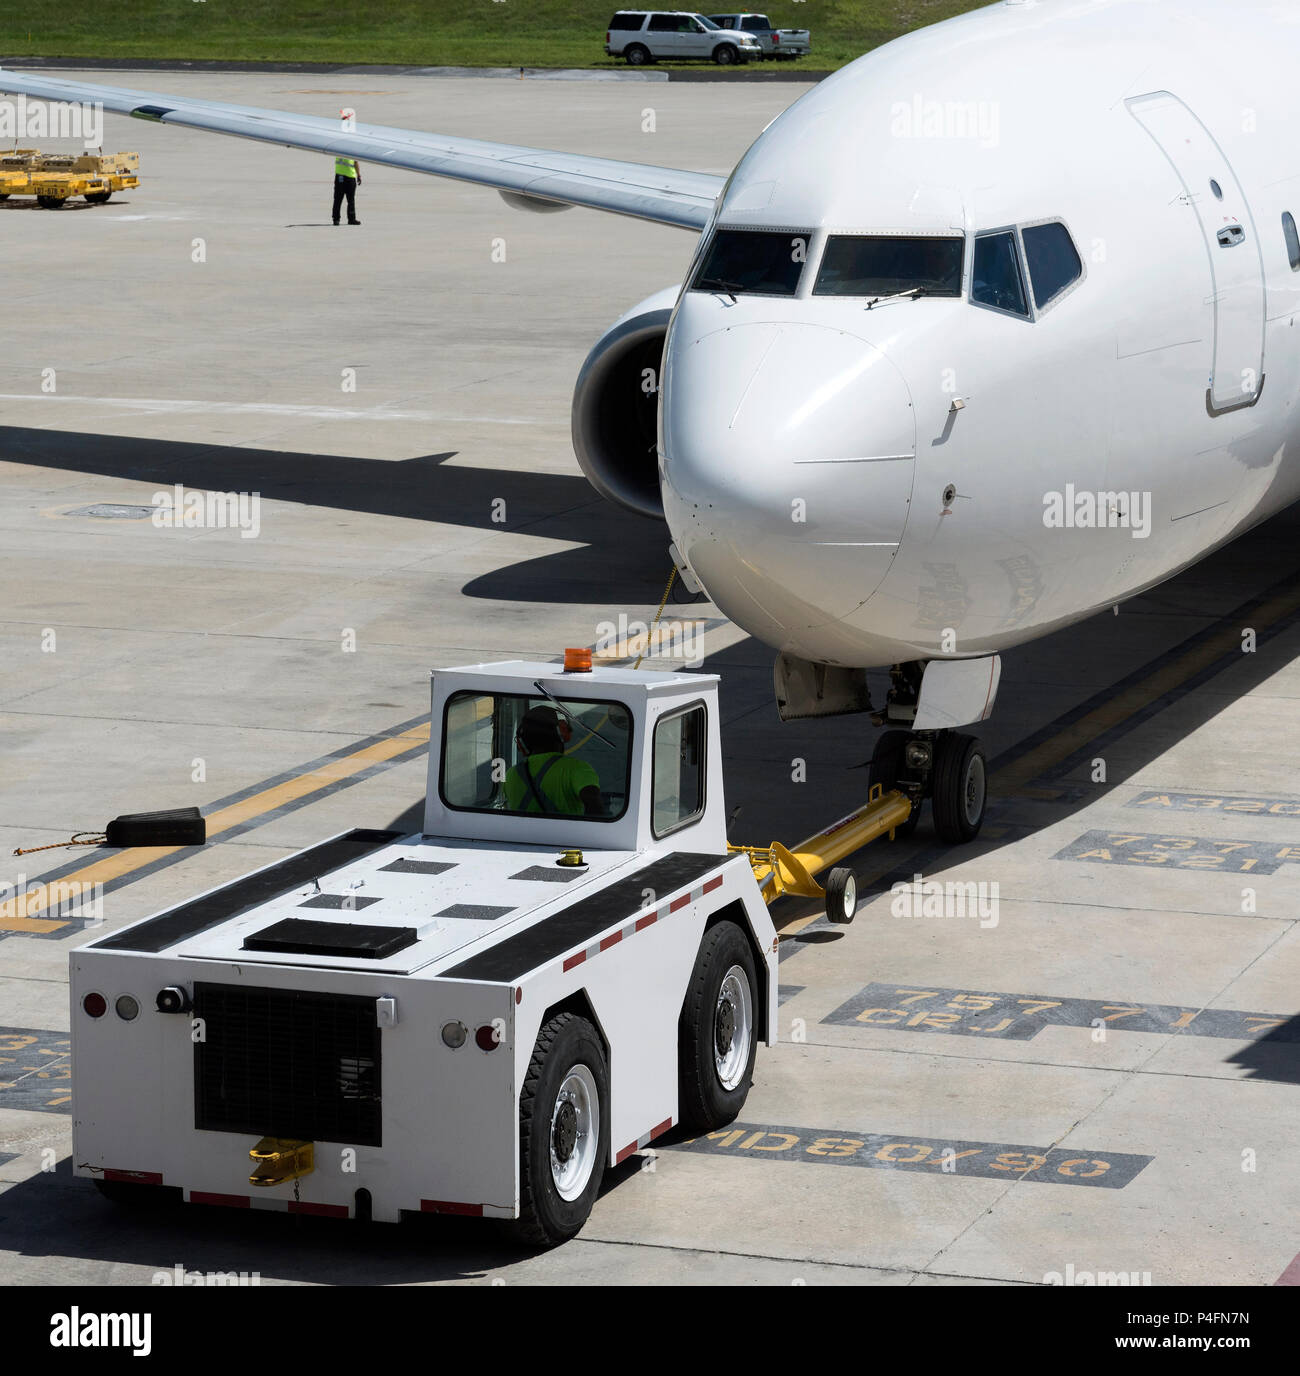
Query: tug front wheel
{"x": 563, "y": 1131}
{"x": 960, "y": 787}
{"x": 717, "y": 1037}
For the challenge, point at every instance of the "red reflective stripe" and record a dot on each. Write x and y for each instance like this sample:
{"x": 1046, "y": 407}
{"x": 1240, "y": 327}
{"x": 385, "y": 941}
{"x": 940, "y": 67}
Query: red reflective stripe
{"x": 575, "y": 960}
{"x": 625, "y": 1153}
{"x": 643, "y": 922}
{"x": 135, "y": 1177}
{"x": 661, "y": 1129}
{"x": 679, "y": 902}
{"x": 231, "y": 1201}
{"x": 444, "y": 1206}
{"x": 714, "y": 883}
{"x": 609, "y": 941}
{"x": 324, "y": 1210}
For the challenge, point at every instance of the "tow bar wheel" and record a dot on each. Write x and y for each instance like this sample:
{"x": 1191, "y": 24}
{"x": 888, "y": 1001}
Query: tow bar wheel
{"x": 718, "y": 1030}
{"x": 841, "y": 895}
{"x": 563, "y": 1131}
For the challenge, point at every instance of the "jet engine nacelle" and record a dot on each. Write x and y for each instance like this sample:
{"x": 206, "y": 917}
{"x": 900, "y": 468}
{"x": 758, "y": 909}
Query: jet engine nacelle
{"x": 615, "y": 406}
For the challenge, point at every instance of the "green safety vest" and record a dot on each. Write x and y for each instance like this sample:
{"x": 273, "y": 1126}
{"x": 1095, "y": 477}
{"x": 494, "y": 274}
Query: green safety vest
{"x": 345, "y": 167}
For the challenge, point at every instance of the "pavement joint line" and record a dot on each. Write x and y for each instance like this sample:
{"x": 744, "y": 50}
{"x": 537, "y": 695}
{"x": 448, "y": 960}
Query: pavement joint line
{"x": 787, "y": 1260}
{"x": 1047, "y": 1065}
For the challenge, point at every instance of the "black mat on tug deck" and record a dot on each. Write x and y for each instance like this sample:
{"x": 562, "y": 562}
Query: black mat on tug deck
{"x": 577, "y": 924}
{"x": 201, "y": 914}
{"x": 306, "y": 936}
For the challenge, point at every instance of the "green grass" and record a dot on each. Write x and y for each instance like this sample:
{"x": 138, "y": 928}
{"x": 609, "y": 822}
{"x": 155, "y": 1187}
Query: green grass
{"x": 480, "y": 33}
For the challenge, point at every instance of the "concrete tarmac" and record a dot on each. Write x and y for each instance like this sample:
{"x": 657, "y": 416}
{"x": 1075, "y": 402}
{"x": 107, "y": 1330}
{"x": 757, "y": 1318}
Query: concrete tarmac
{"x": 1090, "y": 1070}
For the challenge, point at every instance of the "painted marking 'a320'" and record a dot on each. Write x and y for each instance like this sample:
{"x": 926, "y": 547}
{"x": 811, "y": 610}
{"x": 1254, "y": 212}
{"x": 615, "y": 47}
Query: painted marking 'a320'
{"x": 1180, "y": 852}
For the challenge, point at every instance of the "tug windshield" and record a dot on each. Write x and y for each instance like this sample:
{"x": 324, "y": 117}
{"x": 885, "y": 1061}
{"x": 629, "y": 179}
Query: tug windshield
{"x": 536, "y": 755}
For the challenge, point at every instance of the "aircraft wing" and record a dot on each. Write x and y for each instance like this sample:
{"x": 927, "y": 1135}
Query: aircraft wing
{"x": 663, "y": 195}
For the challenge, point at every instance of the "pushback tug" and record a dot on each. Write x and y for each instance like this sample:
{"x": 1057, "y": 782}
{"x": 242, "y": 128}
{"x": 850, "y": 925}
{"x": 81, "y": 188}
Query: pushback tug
{"x": 476, "y": 1019}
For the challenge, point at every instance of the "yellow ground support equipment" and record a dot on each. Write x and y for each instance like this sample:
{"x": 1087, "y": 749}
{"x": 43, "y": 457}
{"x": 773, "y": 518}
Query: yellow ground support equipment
{"x": 54, "y": 178}
{"x": 782, "y": 871}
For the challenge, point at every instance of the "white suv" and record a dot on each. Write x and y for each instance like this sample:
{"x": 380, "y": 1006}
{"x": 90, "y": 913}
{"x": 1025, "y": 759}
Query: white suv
{"x": 643, "y": 36}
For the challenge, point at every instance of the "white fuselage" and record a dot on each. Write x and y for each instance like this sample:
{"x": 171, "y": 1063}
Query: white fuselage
{"x": 817, "y": 474}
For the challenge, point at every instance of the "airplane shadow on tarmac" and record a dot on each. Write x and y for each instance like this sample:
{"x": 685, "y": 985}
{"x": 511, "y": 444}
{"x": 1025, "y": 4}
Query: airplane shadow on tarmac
{"x": 622, "y": 558}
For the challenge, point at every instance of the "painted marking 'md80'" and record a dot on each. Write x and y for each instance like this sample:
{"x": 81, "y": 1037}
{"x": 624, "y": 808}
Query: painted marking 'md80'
{"x": 35, "y": 1070}
{"x": 935, "y": 1156}
{"x": 1179, "y": 852}
{"x": 1020, "y": 1017}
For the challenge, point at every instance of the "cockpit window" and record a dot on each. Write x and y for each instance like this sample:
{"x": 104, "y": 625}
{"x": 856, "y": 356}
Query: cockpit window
{"x": 995, "y": 273}
{"x": 754, "y": 262}
{"x": 879, "y": 265}
{"x": 1052, "y": 259}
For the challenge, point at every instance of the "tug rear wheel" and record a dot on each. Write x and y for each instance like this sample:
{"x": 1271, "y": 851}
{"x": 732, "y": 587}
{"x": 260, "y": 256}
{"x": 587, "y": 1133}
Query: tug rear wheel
{"x": 563, "y": 1131}
{"x": 717, "y": 1034}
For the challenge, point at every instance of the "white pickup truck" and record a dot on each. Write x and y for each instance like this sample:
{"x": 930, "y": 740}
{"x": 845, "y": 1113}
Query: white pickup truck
{"x": 565, "y": 963}
{"x": 776, "y": 43}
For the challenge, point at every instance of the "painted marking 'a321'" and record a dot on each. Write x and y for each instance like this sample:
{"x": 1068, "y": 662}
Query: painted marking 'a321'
{"x": 1020, "y": 1017}
{"x": 1179, "y": 852}
{"x": 931, "y": 1155}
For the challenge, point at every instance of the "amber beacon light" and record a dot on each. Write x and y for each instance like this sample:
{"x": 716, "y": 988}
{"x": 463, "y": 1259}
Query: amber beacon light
{"x": 577, "y": 661}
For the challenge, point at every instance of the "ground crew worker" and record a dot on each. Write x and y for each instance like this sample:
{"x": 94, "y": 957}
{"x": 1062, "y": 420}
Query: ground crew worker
{"x": 546, "y": 779}
{"x": 347, "y": 177}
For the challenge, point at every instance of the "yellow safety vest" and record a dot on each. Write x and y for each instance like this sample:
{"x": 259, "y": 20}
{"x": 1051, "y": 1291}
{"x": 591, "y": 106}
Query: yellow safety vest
{"x": 345, "y": 167}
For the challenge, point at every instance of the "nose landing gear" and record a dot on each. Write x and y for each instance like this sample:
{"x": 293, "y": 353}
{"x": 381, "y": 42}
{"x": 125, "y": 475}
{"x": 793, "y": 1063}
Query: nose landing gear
{"x": 948, "y": 767}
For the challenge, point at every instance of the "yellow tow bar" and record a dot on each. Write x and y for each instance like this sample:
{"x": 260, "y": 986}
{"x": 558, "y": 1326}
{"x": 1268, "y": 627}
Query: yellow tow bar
{"x": 781, "y": 871}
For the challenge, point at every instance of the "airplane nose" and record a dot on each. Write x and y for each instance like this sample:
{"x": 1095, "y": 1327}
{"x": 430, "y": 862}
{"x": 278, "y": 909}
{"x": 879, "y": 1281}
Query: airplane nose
{"x": 788, "y": 455}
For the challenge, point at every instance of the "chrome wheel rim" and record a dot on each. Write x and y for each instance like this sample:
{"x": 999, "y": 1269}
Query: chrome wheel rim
{"x": 733, "y": 1028}
{"x": 575, "y": 1133}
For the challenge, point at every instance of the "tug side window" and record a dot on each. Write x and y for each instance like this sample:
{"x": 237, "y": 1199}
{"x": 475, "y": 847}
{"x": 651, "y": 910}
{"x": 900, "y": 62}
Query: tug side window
{"x": 679, "y": 747}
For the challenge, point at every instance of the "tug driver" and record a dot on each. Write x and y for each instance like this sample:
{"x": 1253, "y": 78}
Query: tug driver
{"x": 546, "y": 779}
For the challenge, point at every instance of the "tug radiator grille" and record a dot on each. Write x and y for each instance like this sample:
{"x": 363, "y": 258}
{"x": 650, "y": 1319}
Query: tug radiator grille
{"x": 287, "y": 1063}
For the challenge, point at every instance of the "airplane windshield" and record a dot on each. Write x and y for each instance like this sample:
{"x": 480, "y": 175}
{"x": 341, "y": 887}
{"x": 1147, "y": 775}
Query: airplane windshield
{"x": 876, "y": 265}
{"x": 753, "y": 262}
